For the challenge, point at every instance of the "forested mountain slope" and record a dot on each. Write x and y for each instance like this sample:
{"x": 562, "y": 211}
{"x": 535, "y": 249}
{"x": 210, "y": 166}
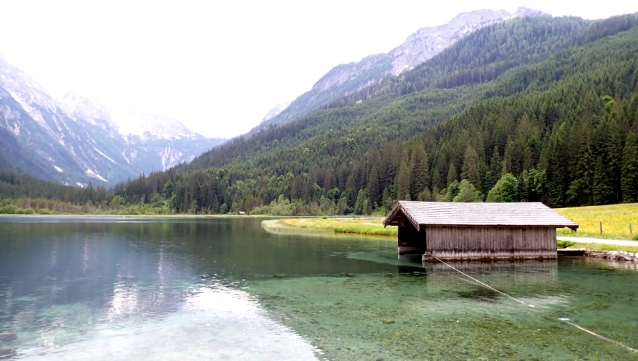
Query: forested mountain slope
{"x": 345, "y": 79}
{"x": 559, "y": 126}
{"x": 396, "y": 109}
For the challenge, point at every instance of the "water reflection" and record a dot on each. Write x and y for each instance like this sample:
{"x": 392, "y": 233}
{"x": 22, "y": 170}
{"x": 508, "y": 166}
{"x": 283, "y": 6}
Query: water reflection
{"x": 94, "y": 289}
{"x": 213, "y": 323}
{"x": 225, "y": 288}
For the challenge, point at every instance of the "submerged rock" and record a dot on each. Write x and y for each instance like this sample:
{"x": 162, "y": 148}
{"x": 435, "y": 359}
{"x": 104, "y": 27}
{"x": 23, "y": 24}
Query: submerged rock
{"x": 279, "y": 275}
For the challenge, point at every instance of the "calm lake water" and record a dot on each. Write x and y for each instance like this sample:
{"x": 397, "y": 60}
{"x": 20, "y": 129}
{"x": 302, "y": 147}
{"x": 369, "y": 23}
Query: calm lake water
{"x": 225, "y": 288}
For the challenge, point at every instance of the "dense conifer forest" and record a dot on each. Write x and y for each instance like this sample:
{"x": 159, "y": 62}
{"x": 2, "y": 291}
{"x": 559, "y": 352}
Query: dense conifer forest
{"x": 539, "y": 109}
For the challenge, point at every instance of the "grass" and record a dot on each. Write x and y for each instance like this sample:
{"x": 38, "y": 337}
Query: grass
{"x": 605, "y": 247}
{"x": 371, "y": 226}
{"x": 616, "y": 219}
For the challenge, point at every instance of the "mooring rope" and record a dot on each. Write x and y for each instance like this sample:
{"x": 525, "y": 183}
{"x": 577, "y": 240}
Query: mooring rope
{"x": 566, "y": 320}
{"x": 481, "y": 283}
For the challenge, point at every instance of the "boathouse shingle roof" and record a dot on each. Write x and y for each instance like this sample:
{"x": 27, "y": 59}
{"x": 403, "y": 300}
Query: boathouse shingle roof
{"x": 524, "y": 214}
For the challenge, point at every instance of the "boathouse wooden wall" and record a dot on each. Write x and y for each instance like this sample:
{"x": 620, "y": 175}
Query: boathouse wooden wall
{"x": 490, "y": 242}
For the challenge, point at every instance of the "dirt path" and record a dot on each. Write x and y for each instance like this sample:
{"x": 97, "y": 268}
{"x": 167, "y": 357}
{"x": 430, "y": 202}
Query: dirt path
{"x": 598, "y": 240}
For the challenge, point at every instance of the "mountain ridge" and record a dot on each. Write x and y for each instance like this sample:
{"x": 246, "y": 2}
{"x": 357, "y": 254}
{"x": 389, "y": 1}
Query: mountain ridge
{"x": 75, "y": 140}
{"x": 420, "y": 46}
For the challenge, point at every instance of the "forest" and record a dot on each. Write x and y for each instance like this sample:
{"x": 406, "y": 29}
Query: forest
{"x": 539, "y": 109}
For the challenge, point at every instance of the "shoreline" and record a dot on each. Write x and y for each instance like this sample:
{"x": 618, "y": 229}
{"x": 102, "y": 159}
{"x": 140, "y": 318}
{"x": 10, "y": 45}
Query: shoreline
{"x": 199, "y": 216}
{"x": 598, "y": 248}
{"x": 365, "y": 226}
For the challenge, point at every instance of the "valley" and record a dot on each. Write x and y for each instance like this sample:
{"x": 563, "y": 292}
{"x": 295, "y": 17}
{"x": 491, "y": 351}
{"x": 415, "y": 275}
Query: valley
{"x": 533, "y": 108}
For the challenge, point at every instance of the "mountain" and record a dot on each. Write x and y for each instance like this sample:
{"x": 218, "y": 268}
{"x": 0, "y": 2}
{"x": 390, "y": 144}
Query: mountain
{"x": 275, "y": 111}
{"x": 532, "y": 109}
{"x": 75, "y": 140}
{"x": 133, "y": 122}
{"x": 553, "y": 101}
{"x": 418, "y": 47}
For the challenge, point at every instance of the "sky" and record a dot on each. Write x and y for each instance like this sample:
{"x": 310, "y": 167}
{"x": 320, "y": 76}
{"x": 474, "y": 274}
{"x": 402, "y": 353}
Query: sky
{"x": 219, "y": 66}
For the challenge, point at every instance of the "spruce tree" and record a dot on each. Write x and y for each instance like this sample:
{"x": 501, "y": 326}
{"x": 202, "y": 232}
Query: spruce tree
{"x": 374, "y": 190}
{"x": 629, "y": 179}
{"x": 403, "y": 182}
{"x": 419, "y": 171}
{"x": 452, "y": 176}
{"x": 603, "y": 192}
{"x": 470, "y": 169}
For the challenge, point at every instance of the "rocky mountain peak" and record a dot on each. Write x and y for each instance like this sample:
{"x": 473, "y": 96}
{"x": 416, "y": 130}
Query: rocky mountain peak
{"x": 131, "y": 121}
{"x": 424, "y": 44}
{"x": 275, "y": 111}
{"x": 74, "y": 139}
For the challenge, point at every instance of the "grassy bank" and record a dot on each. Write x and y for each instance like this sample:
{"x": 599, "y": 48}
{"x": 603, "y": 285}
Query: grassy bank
{"x": 616, "y": 219}
{"x": 371, "y": 226}
{"x": 605, "y": 247}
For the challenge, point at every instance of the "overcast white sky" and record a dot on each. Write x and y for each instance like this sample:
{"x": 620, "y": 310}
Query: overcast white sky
{"x": 219, "y": 66}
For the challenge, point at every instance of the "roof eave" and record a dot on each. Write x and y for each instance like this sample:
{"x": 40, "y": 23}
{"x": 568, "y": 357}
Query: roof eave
{"x": 399, "y": 208}
{"x": 570, "y": 226}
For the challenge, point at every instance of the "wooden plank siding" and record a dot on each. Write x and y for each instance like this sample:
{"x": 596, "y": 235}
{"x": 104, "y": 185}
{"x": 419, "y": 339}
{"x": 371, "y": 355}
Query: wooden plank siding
{"x": 477, "y": 231}
{"x": 489, "y": 243}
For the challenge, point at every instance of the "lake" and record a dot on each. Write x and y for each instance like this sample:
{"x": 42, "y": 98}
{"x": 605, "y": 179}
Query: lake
{"x": 77, "y": 288}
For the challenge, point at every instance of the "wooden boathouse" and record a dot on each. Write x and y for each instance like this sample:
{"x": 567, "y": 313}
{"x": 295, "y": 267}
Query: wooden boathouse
{"x": 477, "y": 231}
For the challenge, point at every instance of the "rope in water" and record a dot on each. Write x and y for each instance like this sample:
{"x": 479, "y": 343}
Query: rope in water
{"x": 566, "y": 320}
{"x": 481, "y": 283}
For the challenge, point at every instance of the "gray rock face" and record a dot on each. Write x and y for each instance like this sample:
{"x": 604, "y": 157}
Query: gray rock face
{"x": 427, "y": 42}
{"x": 418, "y": 48}
{"x": 74, "y": 140}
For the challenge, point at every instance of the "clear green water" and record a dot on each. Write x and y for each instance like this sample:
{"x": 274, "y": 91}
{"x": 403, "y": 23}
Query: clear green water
{"x": 126, "y": 289}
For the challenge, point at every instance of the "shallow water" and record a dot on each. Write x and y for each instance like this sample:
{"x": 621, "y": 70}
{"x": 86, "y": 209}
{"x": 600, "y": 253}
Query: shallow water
{"x": 130, "y": 288}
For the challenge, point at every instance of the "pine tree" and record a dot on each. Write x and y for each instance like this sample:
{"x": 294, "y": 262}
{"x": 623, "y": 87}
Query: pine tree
{"x": 614, "y": 150}
{"x": 557, "y": 159}
{"x": 388, "y": 166}
{"x": 629, "y": 179}
{"x": 436, "y": 177}
{"x": 496, "y": 166}
{"x": 215, "y": 205}
{"x": 362, "y": 202}
{"x": 388, "y": 201}
{"x": 419, "y": 171}
{"x": 374, "y": 189}
{"x": 403, "y": 182}
{"x": 452, "y": 176}
{"x": 603, "y": 191}
{"x": 168, "y": 190}
{"x": 470, "y": 170}
{"x": 581, "y": 188}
